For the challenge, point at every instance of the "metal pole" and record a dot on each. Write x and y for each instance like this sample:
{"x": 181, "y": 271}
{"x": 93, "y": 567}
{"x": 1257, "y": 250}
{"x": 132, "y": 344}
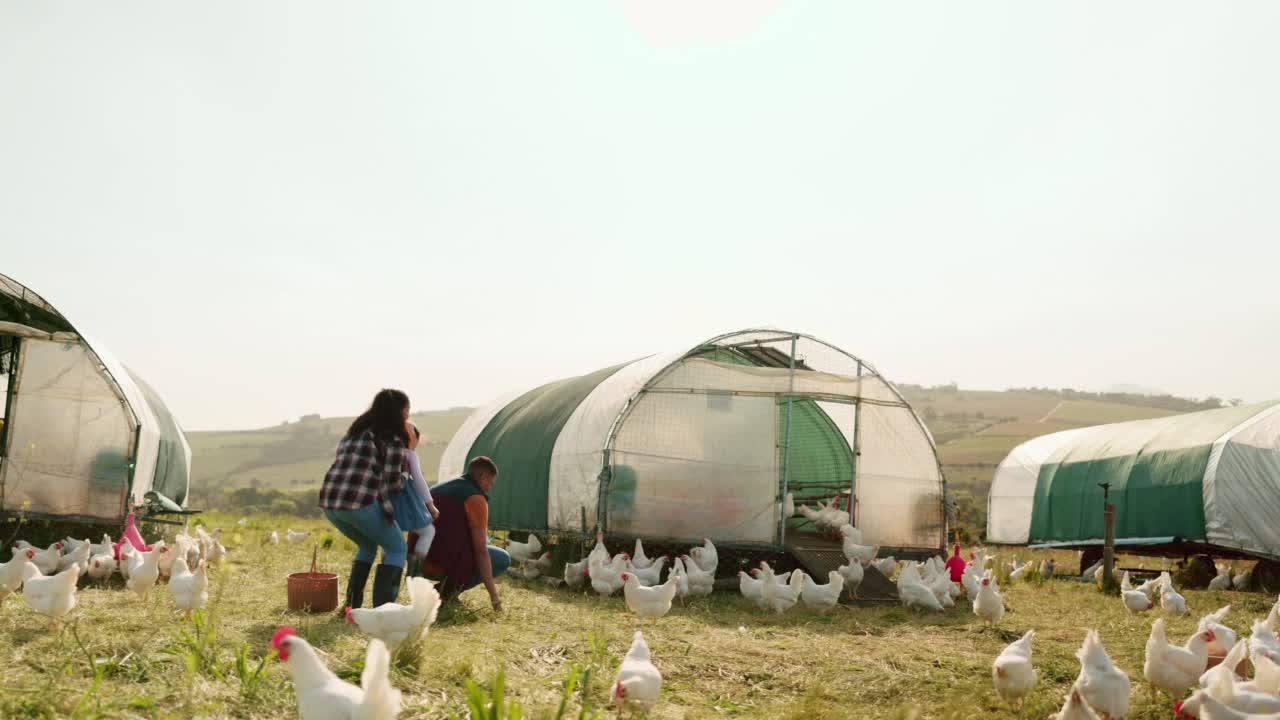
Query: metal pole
{"x": 786, "y": 448}
{"x": 857, "y": 428}
{"x": 1108, "y": 538}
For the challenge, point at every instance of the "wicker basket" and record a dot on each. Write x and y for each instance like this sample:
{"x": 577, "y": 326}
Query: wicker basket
{"x": 313, "y": 591}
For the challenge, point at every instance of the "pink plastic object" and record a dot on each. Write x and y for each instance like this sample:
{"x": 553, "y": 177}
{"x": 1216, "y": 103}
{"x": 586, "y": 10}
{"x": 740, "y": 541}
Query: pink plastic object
{"x": 133, "y": 536}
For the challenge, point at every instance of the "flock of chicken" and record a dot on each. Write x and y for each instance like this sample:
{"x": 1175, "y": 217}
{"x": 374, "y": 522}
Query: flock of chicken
{"x": 48, "y": 578}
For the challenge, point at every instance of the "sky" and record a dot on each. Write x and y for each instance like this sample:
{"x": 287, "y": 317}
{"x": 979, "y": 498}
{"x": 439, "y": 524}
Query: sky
{"x": 274, "y": 209}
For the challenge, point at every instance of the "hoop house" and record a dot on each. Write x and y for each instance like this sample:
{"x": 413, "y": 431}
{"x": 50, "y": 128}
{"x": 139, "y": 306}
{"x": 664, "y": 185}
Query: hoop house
{"x": 707, "y": 441}
{"x": 83, "y": 437}
{"x": 1208, "y": 478}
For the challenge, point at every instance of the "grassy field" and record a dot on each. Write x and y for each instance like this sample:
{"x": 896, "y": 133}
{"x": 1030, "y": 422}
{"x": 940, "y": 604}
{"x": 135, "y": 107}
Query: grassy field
{"x": 118, "y": 657}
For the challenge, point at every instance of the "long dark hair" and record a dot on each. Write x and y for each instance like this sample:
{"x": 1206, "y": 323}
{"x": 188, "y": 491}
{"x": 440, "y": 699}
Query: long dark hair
{"x": 385, "y": 417}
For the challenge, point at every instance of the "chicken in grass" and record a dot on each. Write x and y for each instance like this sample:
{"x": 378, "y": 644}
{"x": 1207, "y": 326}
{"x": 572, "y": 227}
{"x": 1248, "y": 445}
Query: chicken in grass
{"x": 102, "y": 566}
{"x": 78, "y": 556}
{"x": 599, "y": 552}
{"x": 751, "y": 587}
{"x": 1019, "y": 571}
{"x": 651, "y": 575}
{"x": 886, "y": 566}
{"x": 273, "y": 538}
{"x": 605, "y": 578}
{"x": 322, "y": 696}
{"x": 144, "y": 570}
{"x": 575, "y": 573}
{"x": 1012, "y": 673}
{"x": 638, "y": 684}
{"x": 639, "y": 560}
{"x": 393, "y": 624}
{"x": 701, "y": 581}
{"x": 852, "y": 574}
{"x": 1224, "y": 637}
{"x": 1175, "y": 669}
{"x": 524, "y": 550}
{"x": 1103, "y": 686}
{"x": 1170, "y": 600}
{"x": 1075, "y": 708}
{"x": 51, "y": 596}
{"x": 1223, "y": 686}
{"x": 1238, "y": 653}
{"x": 648, "y": 602}
{"x": 706, "y": 557}
{"x": 779, "y": 598}
{"x": 854, "y": 551}
{"x": 295, "y": 537}
{"x": 1222, "y": 581}
{"x": 11, "y": 573}
{"x": 1136, "y": 600}
{"x": 989, "y": 605}
{"x": 1212, "y": 709}
{"x": 1047, "y": 567}
{"x": 47, "y": 560}
{"x": 190, "y": 589}
{"x": 821, "y": 597}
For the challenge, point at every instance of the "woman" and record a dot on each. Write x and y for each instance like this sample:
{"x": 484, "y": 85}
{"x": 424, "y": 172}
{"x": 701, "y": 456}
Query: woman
{"x": 358, "y": 491}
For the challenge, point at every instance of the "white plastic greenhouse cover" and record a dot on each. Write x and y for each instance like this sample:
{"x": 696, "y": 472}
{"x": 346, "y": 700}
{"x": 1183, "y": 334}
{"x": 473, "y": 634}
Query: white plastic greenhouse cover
{"x": 721, "y": 478}
{"x": 1013, "y": 487}
{"x": 1242, "y": 486}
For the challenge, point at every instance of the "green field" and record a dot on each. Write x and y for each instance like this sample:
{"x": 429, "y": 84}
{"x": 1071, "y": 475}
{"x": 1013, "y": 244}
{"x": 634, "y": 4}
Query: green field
{"x": 117, "y": 657}
{"x": 974, "y": 430}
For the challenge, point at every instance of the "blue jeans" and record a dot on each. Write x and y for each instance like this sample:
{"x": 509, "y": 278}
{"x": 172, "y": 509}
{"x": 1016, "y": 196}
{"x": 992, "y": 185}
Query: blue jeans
{"x": 369, "y": 531}
{"x": 500, "y": 561}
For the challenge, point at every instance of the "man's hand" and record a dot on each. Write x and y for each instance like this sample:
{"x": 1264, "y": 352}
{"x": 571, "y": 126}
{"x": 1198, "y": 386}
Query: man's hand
{"x": 435, "y": 514}
{"x": 496, "y": 602}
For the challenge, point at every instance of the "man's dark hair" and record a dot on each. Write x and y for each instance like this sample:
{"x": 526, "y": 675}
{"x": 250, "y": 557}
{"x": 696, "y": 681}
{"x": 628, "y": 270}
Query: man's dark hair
{"x": 482, "y": 464}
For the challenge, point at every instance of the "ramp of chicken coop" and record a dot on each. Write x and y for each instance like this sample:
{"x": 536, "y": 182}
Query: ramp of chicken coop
{"x": 83, "y": 437}
{"x": 1208, "y": 478}
{"x": 706, "y": 442}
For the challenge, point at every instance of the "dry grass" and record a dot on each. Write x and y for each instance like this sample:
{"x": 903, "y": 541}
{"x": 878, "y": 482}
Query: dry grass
{"x": 720, "y": 656}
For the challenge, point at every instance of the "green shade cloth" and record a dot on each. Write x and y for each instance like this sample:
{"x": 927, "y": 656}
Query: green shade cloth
{"x": 1156, "y": 471}
{"x": 520, "y": 439}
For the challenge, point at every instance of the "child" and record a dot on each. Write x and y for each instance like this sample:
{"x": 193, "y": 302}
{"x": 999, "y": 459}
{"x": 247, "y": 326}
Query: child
{"x": 413, "y": 504}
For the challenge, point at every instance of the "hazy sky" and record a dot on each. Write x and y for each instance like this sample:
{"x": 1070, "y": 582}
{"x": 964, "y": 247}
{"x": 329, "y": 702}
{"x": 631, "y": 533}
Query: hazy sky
{"x": 275, "y": 208}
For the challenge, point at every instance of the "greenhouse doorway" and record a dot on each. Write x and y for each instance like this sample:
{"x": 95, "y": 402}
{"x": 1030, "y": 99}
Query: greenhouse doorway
{"x": 8, "y": 377}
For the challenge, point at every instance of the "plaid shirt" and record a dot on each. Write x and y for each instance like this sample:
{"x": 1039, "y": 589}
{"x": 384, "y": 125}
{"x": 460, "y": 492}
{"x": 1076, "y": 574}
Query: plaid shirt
{"x": 363, "y": 471}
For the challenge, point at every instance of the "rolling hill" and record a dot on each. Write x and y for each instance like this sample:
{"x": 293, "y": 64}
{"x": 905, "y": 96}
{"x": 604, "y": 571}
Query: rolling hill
{"x": 974, "y": 430}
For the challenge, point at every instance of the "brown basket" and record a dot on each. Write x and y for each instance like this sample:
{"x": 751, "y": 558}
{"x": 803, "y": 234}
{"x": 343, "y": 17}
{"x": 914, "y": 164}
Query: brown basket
{"x": 313, "y": 591}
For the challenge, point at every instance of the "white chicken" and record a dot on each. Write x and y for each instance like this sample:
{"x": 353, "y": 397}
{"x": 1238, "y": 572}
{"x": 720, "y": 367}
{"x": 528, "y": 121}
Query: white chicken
{"x": 1222, "y": 686}
{"x": 47, "y": 560}
{"x": 1047, "y": 567}
{"x": 79, "y": 557}
{"x": 648, "y": 602}
{"x": 322, "y": 696}
{"x": 1019, "y": 571}
{"x": 1075, "y": 708}
{"x": 11, "y": 572}
{"x": 575, "y": 573}
{"x": 1103, "y": 686}
{"x": 1089, "y": 572}
{"x": 101, "y": 566}
{"x": 50, "y": 596}
{"x": 821, "y": 597}
{"x": 682, "y": 579}
{"x": 751, "y": 587}
{"x": 524, "y": 550}
{"x": 988, "y": 604}
{"x": 971, "y": 581}
{"x": 779, "y": 598}
{"x": 701, "y": 581}
{"x": 1212, "y": 709}
{"x": 606, "y": 579}
{"x": 1222, "y": 581}
{"x": 144, "y": 570}
{"x": 788, "y": 506}
{"x": 832, "y": 518}
{"x": 945, "y": 590}
{"x": 849, "y": 532}
{"x": 886, "y": 566}
{"x": 393, "y": 623}
{"x": 1263, "y": 641}
{"x": 1170, "y": 600}
{"x": 295, "y": 537}
{"x": 599, "y": 552}
{"x": 638, "y": 683}
{"x": 274, "y": 538}
{"x": 1012, "y": 673}
{"x": 1136, "y": 601}
{"x": 854, "y": 551}
{"x": 639, "y": 560}
{"x": 1243, "y": 580}
{"x": 651, "y": 575}
{"x": 852, "y": 574}
{"x": 1175, "y": 669}
{"x": 915, "y": 595}
{"x": 190, "y": 590}
{"x": 1224, "y": 637}
{"x": 706, "y": 556}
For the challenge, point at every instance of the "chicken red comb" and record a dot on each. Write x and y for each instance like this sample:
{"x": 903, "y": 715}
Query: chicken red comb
{"x": 625, "y": 577}
{"x": 346, "y": 612}
{"x": 1177, "y": 708}
{"x": 277, "y": 640}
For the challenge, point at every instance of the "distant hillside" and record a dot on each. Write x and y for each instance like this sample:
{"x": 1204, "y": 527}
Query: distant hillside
{"x": 974, "y": 430}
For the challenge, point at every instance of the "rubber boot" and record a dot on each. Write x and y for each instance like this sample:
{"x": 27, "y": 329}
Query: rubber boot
{"x": 355, "y": 586}
{"x": 386, "y": 584}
